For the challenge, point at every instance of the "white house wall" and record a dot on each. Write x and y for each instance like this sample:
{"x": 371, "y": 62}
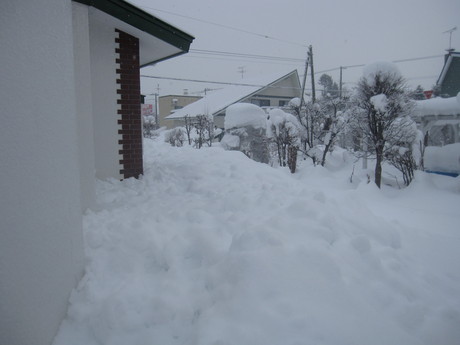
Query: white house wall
{"x": 84, "y": 103}
{"x": 41, "y": 250}
{"x": 104, "y": 91}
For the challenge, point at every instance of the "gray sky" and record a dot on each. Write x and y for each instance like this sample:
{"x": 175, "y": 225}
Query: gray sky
{"x": 342, "y": 33}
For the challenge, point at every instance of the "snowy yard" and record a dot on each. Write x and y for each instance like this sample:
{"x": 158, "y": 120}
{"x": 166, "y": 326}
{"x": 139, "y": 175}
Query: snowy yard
{"x": 211, "y": 248}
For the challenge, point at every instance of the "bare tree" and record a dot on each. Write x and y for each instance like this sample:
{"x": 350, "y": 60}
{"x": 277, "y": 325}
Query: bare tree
{"x": 333, "y": 122}
{"x": 322, "y": 123}
{"x": 188, "y": 128}
{"x": 307, "y": 117}
{"x": 204, "y": 127}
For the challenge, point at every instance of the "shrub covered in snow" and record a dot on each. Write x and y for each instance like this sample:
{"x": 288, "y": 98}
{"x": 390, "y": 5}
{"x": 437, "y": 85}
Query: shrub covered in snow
{"x": 284, "y": 130}
{"x": 245, "y": 131}
{"x": 175, "y": 136}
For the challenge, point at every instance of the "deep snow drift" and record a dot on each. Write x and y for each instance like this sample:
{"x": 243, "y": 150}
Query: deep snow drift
{"x": 212, "y": 248}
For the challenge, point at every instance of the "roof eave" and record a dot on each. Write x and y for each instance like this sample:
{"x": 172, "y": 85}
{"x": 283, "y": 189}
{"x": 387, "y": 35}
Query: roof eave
{"x": 163, "y": 59}
{"x": 144, "y": 21}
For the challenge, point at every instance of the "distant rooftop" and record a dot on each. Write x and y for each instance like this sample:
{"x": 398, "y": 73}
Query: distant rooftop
{"x": 215, "y": 102}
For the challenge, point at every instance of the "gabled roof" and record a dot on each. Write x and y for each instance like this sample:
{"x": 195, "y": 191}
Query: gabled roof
{"x": 143, "y": 21}
{"x": 449, "y": 79}
{"x": 216, "y": 102}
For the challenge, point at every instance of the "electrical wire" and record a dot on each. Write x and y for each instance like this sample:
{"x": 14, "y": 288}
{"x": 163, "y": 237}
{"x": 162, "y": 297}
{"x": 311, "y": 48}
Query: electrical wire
{"x": 215, "y": 82}
{"x": 226, "y": 26}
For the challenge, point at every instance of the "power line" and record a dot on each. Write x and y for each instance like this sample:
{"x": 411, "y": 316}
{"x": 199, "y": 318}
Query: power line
{"x": 226, "y": 26}
{"x": 244, "y": 55}
{"x": 262, "y": 56}
{"x": 418, "y": 58}
{"x": 215, "y": 82}
{"x": 189, "y": 56}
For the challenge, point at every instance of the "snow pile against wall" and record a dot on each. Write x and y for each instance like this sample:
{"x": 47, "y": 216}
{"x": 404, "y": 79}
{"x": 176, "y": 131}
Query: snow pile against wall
{"x": 236, "y": 252}
{"x": 445, "y": 158}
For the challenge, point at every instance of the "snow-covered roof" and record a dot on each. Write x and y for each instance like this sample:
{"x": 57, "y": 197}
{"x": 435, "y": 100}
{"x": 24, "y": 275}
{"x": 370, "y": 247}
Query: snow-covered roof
{"x": 217, "y": 101}
{"x": 438, "y": 106}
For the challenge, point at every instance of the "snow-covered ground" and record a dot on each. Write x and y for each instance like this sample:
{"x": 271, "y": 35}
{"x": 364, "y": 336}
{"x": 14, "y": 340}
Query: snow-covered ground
{"x": 211, "y": 248}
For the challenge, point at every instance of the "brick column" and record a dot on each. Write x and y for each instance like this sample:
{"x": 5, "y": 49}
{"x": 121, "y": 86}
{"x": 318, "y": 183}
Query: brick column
{"x": 129, "y": 104}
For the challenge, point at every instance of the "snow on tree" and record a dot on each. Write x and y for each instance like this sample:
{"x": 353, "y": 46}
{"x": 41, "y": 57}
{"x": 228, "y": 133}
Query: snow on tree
{"x": 176, "y": 136}
{"x": 285, "y": 131}
{"x": 149, "y": 125}
{"x": 321, "y": 124}
{"x": 333, "y": 122}
{"x": 245, "y": 131}
{"x": 204, "y": 127}
{"x": 402, "y": 151}
{"x": 381, "y": 102}
{"x": 309, "y": 127}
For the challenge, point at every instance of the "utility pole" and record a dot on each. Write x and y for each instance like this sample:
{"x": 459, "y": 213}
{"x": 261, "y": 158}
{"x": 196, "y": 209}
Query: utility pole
{"x": 310, "y": 55}
{"x": 157, "y": 107}
{"x": 302, "y": 98}
{"x": 340, "y": 82}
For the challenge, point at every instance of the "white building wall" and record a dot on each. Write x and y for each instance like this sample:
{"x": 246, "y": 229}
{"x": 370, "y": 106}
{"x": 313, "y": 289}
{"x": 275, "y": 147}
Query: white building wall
{"x": 104, "y": 91}
{"x": 84, "y": 106}
{"x": 41, "y": 250}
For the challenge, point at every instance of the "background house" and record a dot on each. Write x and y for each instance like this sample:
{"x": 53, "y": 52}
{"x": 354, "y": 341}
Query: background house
{"x": 440, "y": 117}
{"x": 70, "y": 110}
{"x": 448, "y": 83}
{"x": 271, "y": 91}
{"x": 170, "y": 103}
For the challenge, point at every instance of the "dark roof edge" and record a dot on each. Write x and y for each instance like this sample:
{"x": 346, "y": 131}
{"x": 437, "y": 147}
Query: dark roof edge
{"x": 163, "y": 59}
{"x": 144, "y": 21}
{"x": 446, "y": 66}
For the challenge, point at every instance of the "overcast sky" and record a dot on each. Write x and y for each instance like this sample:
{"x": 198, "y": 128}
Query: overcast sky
{"x": 342, "y": 33}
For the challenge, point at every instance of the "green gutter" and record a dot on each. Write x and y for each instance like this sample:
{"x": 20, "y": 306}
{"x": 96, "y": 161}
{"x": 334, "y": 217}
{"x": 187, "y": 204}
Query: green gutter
{"x": 143, "y": 21}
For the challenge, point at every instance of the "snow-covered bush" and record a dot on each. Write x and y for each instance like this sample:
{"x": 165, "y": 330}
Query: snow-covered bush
{"x": 245, "y": 131}
{"x": 285, "y": 132}
{"x": 175, "y": 136}
{"x": 149, "y": 125}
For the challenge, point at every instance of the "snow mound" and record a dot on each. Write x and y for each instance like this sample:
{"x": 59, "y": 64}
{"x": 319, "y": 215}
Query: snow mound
{"x": 445, "y": 158}
{"x": 244, "y": 114}
{"x": 210, "y": 247}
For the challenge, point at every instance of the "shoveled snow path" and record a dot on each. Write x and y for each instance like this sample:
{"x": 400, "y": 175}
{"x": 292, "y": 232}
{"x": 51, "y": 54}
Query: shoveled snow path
{"x": 212, "y": 248}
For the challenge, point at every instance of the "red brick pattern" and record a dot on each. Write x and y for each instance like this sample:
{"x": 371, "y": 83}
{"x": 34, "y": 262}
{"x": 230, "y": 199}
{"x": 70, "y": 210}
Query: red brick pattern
{"x": 129, "y": 105}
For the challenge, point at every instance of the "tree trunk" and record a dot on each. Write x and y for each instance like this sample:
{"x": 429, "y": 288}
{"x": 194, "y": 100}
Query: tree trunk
{"x": 292, "y": 158}
{"x": 378, "y": 168}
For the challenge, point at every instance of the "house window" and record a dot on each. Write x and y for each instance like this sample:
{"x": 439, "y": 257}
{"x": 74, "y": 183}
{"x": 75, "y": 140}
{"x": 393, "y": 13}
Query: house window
{"x": 261, "y": 102}
{"x": 283, "y": 103}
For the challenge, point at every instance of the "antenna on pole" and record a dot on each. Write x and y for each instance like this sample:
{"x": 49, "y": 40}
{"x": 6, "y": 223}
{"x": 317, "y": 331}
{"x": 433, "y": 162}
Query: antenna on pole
{"x": 450, "y": 31}
{"x": 241, "y": 70}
